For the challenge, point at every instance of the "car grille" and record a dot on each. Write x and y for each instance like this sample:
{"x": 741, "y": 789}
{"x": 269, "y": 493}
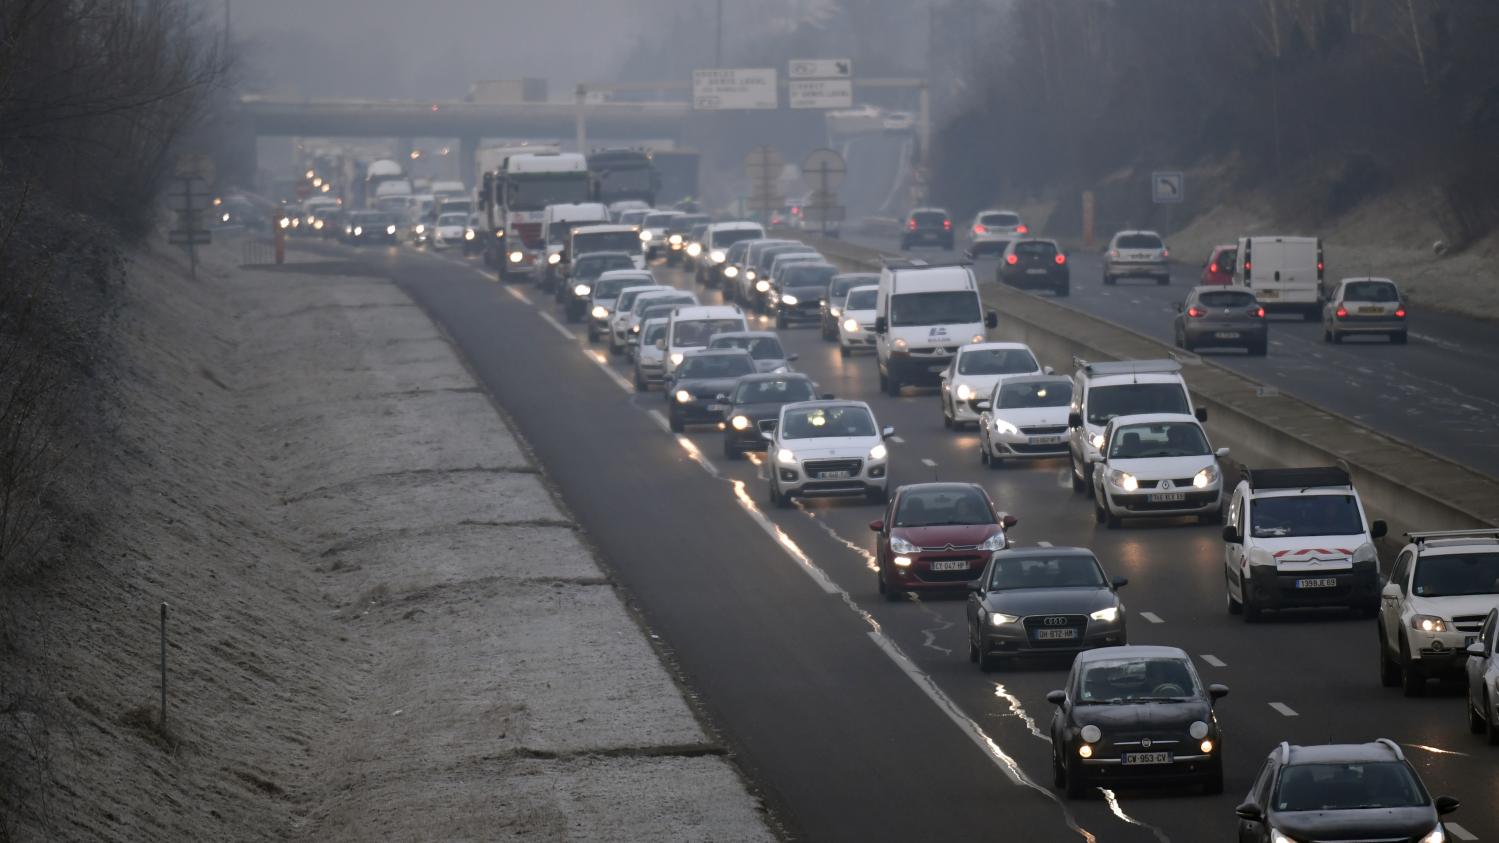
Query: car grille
{"x": 1026, "y": 448}
{"x": 768, "y": 425}
{"x": 1035, "y": 623}
{"x": 1468, "y": 623}
{"x": 1048, "y": 430}
{"x": 815, "y": 468}
{"x": 530, "y": 234}
{"x": 975, "y": 567}
{"x": 935, "y": 351}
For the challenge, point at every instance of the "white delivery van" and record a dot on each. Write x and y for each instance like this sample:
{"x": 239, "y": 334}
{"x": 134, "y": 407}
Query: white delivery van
{"x": 689, "y": 328}
{"x": 557, "y": 222}
{"x": 1284, "y": 272}
{"x": 923, "y": 314}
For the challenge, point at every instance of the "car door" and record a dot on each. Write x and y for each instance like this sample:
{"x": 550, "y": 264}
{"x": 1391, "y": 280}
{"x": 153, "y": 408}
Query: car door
{"x": 1254, "y": 831}
{"x": 1391, "y": 600}
{"x": 1233, "y": 552}
{"x": 1477, "y": 666}
{"x": 946, "y": 378}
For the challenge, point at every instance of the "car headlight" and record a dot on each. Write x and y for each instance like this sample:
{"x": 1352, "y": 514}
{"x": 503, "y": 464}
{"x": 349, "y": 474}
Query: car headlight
{"x": 634, "y": 329}
{"x": 675, "y": 239}
{"x": 1124, "y": 480}
{"x": 1110, "y": 615}
{"x": 1091, "y": 733}
{"x": 1205, "y": 478}
{"x": 694, "y": 249}
{"x": 390, "y": 229}
{"x": 731, "y": 272}
{"x": 582, "y": 290}
{"x": 964, "y": 392}
{"x": 358, "y": 230}
{"x": 900, "y": 545}
{"x": 318, "y": 224}
{"x": 750, "y": 274}
{"x": 762, "y": 286}
{"x": 1096, "y": 440}
{"x": 977, "y": 338}
{"x": 1428, "y": 623}
{"x": 789, "y": 299}
{"x": 554, "y": 258}
{"x": 1436, "y": 835}
{"x": 683, "y": 396}
{"x": 900, "y": 344}
{"x": 740, "y": 422}
{"x": 1000, "y": 619}
{"x": 716, "y": 256}
{"x": 516, "y": 256}
{"x": 994, "y": 542}
{"x": 835, "y": 312}
{"x": 1005, "y": 428}
{"x": 286, "y": 222}
{"x": 421, "y": 229}
{"x": 851, "y": 325}
{"x": 902, "y": 561}
{"x": 226, "y": 218}
{"x": 786, "y": 456}
{"x": 645, "y": 236}
{"x": 878, "y": 452}
{"x": 600, "y": 312}
{"x": 677, "y": 358}
{"x": 1206, "y": 747}
{"x": 1198, "y": 730}
{"x": 1277, "y": 837}
{"x": 469, "y": 234}
{"x": 780, "y": 370}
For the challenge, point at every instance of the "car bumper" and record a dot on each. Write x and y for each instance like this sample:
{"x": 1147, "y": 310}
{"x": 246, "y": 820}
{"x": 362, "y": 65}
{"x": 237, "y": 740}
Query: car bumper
{"x": 1442, "y": 654}
{"x": 1215, "y": 335}
{"x": 1183, "y": 769}
{"x": 798, "y": 312}
{"x": 1355, "y": 588}
{"x": 1154, "y": 269}
{"x": 1025, "y": 279}
{"x": 1195, "y": 502}
{"x": 912, "y": 369}
{"x": 1019, "y": 446}
{"x": 696, "y": 412}
{"x": 869, "y": 477}
{"x": 1368, "y": 325}
{"x": 924, "y": 236}
{"x": 651, "y": 372}
{"x": 1014, "y": 640}
{"x": 856, "y": 339}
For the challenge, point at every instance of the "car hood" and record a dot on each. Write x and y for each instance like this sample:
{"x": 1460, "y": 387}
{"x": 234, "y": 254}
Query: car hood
{"x": 708, "y": 387}
{"x": 1049, "y": 601}
{"x": 1032, "y": 416}
{"x": 1311, "y": 553}
{"x": 1159, "y": 468}
{"x": 813, "y": 293}
{"x": 832, "y": 447}
{"x": 756, "y": 412}
{"x": 1361, "y": 824}
{"x": 983, "y": 385}
{"x": 862, "y": 315}
{"x": 938, "y": 536}
{"x": 1451, "y": 607}
{"x": 445, "y": 230}
{"x": 769, "y": 365}
{"x": 1136, "y": 717}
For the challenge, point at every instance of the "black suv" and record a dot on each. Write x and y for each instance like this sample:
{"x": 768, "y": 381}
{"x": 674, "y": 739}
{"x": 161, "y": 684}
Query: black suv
{"x": 1035, "y": 263}
{"x": 927, "y": 226}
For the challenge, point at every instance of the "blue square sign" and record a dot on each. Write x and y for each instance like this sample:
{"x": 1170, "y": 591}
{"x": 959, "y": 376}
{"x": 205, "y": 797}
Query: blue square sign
{"x": 1167, "y": 187}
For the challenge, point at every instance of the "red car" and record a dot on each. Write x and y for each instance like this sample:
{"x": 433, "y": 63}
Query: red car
{"x": 937, "y": 536}
{"x": 1219, "y": 268}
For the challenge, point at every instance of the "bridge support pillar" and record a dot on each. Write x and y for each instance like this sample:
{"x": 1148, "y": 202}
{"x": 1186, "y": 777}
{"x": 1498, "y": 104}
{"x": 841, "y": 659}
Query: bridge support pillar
{"x": 468, "y": 153}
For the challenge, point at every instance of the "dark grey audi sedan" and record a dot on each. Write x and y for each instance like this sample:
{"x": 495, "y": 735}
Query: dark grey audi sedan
{"x": 1043, "y": 600}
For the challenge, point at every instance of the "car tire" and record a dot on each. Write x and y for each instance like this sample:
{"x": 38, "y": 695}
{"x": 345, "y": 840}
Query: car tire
{"x": 676, "y": 424}
{"x": 1251, "y": 606}
{"x": 1112, "y": 521}
{"x": 1076, "y": 788}
{"x": 947, "y": 420}
{"x": 731, "y": 451}
{"x": 904, "y": 244}
{"x": 1476, "y": 723}
{"x": 1326, "y": 334}
{"x": 1234, "y": 606}
{"x": 1099, "y": 516}
{"x": 1186, "y": 344}
{"x": 1058, "y": 774}
{"x": 892, "y": 386}
{"x": 1079, "y": 486}
{"x": 988, "y": 663}
{"x": 973, "y": 656}
{"x": 1399, "y": 338}
{"x": 891, "y": 593}
{"x": 1337, "y": 338}
{"x": 1389, "y": 670}
{"x": 1412, "y": 680}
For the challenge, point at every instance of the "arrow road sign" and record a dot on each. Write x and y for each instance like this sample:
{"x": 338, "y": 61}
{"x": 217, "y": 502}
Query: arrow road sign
{"x": 820, "y": 69}
{"x": 1167, "y": 187}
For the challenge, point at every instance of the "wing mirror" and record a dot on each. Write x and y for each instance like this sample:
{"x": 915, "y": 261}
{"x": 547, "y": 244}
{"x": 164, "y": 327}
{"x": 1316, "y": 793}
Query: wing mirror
{"x": 1221, "y": 453}
{"x": 1201, "y": 413}
{"x": 768, "y": 436}
{"x": 877, "y": 526}
{"x": 1446, "y": 805}
{"x": 792, "y": 358}
{"x": 991, "y": 320}
{"x": 1217, "y": 691}
{"x": 1056, "y": 697}
{"x": 1008, "y": 521}
{"x": 1120, "y": 582}
{"x": 720, "y": 397}
{"x": 1379, "y": 529}
{"x": 1250, "y": 811}
{"x": 1476, "y": 650}
{"x": 888, "y": 432}
{"x": 1095, "y": 458}
{"x": 1231, "y": 535}
{"x": 1048, "y": 370}
{"x": 981, "y": 406}
{"x": 880, "y": 325}
{"x": 1074, "y": 420}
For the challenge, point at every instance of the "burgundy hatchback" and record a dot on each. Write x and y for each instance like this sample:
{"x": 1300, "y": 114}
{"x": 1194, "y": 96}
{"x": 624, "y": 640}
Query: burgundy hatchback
{"x": 1219, "y": 268}
{"x": 936, "y": 536}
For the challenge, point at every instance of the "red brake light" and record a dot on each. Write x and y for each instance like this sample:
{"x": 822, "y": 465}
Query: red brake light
{"x": 1341, "y": 313}
{"x": 1319, "y": 266}
{"x": 978, "y": 228}
{"x": 1196, "y": 311}
{"x": 1248, "y": 266}
{"x": 1011, "y": 260}
{"x": 1061, "y": 259}
{"x": 911, "y": 224}
{"x": 1259, "y": 313}
{"x": 1399, "y": 313}
{"x": 1022, "y": 229}
{"x": 947, "y": 224}
{"x": 795, "y": 210}
{"x": 1165, "y": 253}
{"x": 1213, "y": 268}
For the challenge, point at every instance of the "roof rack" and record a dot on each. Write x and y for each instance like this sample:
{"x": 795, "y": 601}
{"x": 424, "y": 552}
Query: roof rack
{"x": 1394, "y": 747}
{"x": 917, "y": 263}
{"x": 1420, "y": 537}
{"x": 1128, "y": 367}
{"x": 1297, "y": 478}
{"x": 1285, "y": 753}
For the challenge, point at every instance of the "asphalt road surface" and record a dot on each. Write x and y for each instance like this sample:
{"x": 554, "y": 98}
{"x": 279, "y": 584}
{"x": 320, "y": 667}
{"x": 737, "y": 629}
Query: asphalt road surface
{"x": 1434, "y": 392}
{"x": 864, "y": 720}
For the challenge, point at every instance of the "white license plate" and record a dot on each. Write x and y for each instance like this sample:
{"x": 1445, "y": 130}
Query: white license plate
{"x": 1227, "y": 335}
{"x": 1130, "y": 759}
{"x": 937, "y": 368}
{"x": 950, "y": 565}
{"x": 1045, "y": 440}
{"x": 1268, "y": 294}
{"x": 1375, "y": 310}
{"x": 1320, "y": 582}
{"x": 1168, "y": 497}
{"x": 717, "y": 408}
{"x": 833, "y": 475}
{"x": 1035, "y": 272}
{"x": 1055, "y": 634}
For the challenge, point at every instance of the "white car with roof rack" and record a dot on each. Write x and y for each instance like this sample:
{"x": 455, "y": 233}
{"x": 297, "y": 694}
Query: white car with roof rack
{"x": 1157, "y": 466}
{"x": 1103, "y": 390}
{"x": 974, "y": 372}
{"x": 1299, "y": 538}
{"x": 1440, "y": 591}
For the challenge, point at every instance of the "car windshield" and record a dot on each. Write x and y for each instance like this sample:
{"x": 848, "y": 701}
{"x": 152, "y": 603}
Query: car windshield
{"x": 1135, "y": 399}
{"x": 697, "y": 232}
{"x": 1138, "y": 241}
{"x": 760, "y": 348}
{"x": 808, "y": 276}
{"x": 1368, "y": 785}
{"x": 1039, "y": 571}
{"x": 778, "y": 391}
{"x": 653, "y": 332}
{"x": 701, "y": 366}
{"x": 1000, "y": 220}
{"x": 1284, "y": 516}
{"x": 768, "y": 257}
{"x": 453, "y": 219}
{"x": 592, "y": 266}
{"x": 1375, "y": 291}
{"x": 632, "y": 217}
{"x": 942, "y": 507}
{"x": 533, "y": 192}
{"x": 827, "y": 423}
{"x": 557, "y": 230}
{"x": 1226, "y": 299}
{"x": 1166, "y": 439}
{"x": 1023, "y": 395}
{"x": 606, "y": 241}
{"x": 695, "y": 333}
{"x": 1452, "y": 575}
{"x": 861, "y": 300}
{"x": 950, "y": 308}
{"x": 657, "y": 220}
{"x": 1038, "y": 248}
{"x": 841, "y": 284}
{"x": 628, "y": 296}
{"x": 684, "y": 223}
{"x": 726, "y": 237}
{"x": 1133, "y": 680}
{"x": 608, "y": 288}
{"x": 642, "y": 306}
{"x": 997, "y": 361}
{"x": 929, "y": 219}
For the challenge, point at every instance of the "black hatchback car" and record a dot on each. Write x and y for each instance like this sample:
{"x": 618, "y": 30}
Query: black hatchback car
{"x": 754, "y": 405}
{"x": 1043, "y": 601}
{"x": 1341, "y": 792}
{"x": 1135, "y": 716}
{"x": 692, "y": 393}
{"x": 1035, "y": 264}
{"x": 927, "y": 227}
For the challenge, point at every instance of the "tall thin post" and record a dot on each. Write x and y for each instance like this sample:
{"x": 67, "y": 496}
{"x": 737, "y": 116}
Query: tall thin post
{"x": 192, "y": 256}
{"x": 581, "y": 120}
{"x": 718, "y": 37}
{"x": 163, "y": 667}
{"x": 227, "y": 5}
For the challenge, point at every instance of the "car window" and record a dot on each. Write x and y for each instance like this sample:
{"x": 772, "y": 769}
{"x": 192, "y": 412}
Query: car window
{"x": 1305, "y": 515}
{"x": 653, "y": 333}
{"x": 1348, "y": 786}
{"x": 1166, "y": 439}
{"x": 1000, "y": 220}
{"x": 861, "y": 300}
{"x": 1138, "y": 241}
{"x": 1401, "y": 574}
{"x": 1451, "y": 575}
{"x": 627, "y": 298}
{"x": 695, "y": 333}
{"x": 941, "y": 507}
{"x": 606, "y": 241}
{"x": 1039, "y": 248}
{"x": 1015, "y": 396}
{"x": 1137, "y": 680}
{"x": 1260, "y": 792}
{"x": 808, "y": 276}
{"x": 1375, "y": 291}
{"x": 1226, "y": 299}
{"x": 593, "y": 267}
{"x": 697, "y": 232}
{"x": 716, "y": 366}
{"x": 779, "y": 391}
{"x": 827, "y": 422}
{"x": 1225, "y": 260}
{"x": 949, "y": 308}
{"x": 760, "y": 348}
{"x": 1135, "y": 399}
{"x": 608, "y": 288}
{"x": 929, "y": 218}
{"x": 641, "y": 304}
{"x": 733, "y": 235}
{"x": 841, "y": 284}
{"x": 997, "y": 361}
{"x": 684, "y": 223}
{"x": 1045, "y": 572}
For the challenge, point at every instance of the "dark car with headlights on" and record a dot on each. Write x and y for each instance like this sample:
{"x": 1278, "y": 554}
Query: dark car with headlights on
{"x": 1035, "y": 264}
{"x": 677, "y": 231}
{"x": 936, "y": 537}
{"x": 830, "y": 308}
{"x": 799, "y": 293}
{"x": 1135, "y": 716}
{"x": 1222, "y": 317}
{"x": 1043, "y": 601}
{"x": 363, "y": 227}
{"x": 577, "y": 291}
{"x": 1362, "y": 791}
{"x": 754, "y": 406}
{"x": 693, "y": 390}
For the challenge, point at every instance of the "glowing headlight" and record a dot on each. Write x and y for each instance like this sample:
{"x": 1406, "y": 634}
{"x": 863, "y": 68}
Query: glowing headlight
{"x": 1091, "y": 733}
{"x": 749, "y": 274}
{"x": 469, "y": 234}
{"x": 1085, "y": 751}
{"x": 677, "y": 358}
{"x": 977, "y": 338}
{"x": 421, "y": 229}
{"x": 554, "y": 258}
{"x": 1124, "y": 480}
{"x": 964, "y": 392}
{"x": 878, "y": 452}
{"x": 1000, "y": 619}
{"x": 694, "y": 249}
{"x": 789, "y": 299}
{"x": 1205, "y": 478}
{"x": 358, "y": 230}
{"x": 286, "y": 222}
{"x": 900, "y": 545}
{"x": 599, "y": 312}
{"x": 675, "y": 239}
{"x": 1436, "y": 835}
{"x": 762, "y": 286}
{"x": 994, "y": 542}
{"x": 516, "y": 256}
{"x": 390, "y": 229}
{"x": 835, "y": 312}
{"x": 731, "y": 272}
{"x": 900, "y": 344}
{"x": 1096, "y": 440}
{"x": 683, "y": 396}
{"x": 1005, "y": 428}
{"x": 785, "y": 456}
{"x": 226, "y": 218}
{"x": 851, "y": 325}
{"x": 716, "y": 256}
{"x": 1428, "y": 623}
{"x": 1110, "y": 615}
{"x": 317, "y": 224}
{"x": 1206, "y": 746}
{"x": 582, "y": 290}
{"x": 902, "y": 561}
{"x": 645, "y": 236}
{"x": 739, "y": 422}
{"x": 1198, "y": 730}
{"x": 1277, "y": 837}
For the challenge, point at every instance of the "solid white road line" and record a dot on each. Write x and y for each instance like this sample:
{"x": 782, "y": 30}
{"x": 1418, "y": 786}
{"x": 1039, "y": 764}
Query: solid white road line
{"x": 1283, "y": 709}
{"x": 928, "y": 463}
{"x": 1043, "y": 544}
{"x": 561, "y": 329}
{"x": 601, "y": 360}
{"x": 1213, "y": 660}
{"x": 515, "y": 291}
{"x": 1152, "y": 617}
{"x": 1459, "y": 832}
{"x": 660, "y": 419}
{"x": 897, "y": 440}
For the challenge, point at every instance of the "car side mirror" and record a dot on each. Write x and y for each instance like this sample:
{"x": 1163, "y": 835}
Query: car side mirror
{"x": 1476, "y": 649}
{"x": 1095, "y": 458}
{"x": 1379, "y": 529}
{"x": 886, "y": 433}
{"x": 981, "y": 406}
{"x": 1008, "y": 521}
{"x": 1231, "y": 535}
{"x": 792, "y": 358}
{"x": 1056, "y": 697}
{"x": 720, "y": 397}
{"x": 826, "y": 396}
{"x": 767, "y": 436}
{"x": 1217, "y": 691}
{"x": 991, "y": 320}
{"x": 1221, "y": 453}
{"x": 1446, "y": 805}
{"x": 1250, "y": 811}
{"x": 977, "y": 586}
{"x": 877, "y": 526}
{"x": 1074, "y": 420}
{"x": 1201, "y": 413}
{"x": 880, "y": 325}
{"x": 1048, "y": 370}
{"x": 1120, "y": 582}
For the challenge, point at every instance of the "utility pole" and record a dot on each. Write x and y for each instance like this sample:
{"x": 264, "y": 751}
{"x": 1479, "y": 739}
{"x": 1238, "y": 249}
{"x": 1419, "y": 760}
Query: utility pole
{"x": 228, "y": 4}
{"x": 718, "y": 38}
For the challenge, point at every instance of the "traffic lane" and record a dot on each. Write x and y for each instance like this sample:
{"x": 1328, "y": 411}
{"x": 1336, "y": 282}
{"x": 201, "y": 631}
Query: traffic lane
{"x": 818, "y": 717}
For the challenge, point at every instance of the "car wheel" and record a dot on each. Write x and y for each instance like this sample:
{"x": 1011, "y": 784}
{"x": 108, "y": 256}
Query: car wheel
{"x": 892, "y": 386}
{"x": 1476, "y": 724}
{"x": 1251, "y": 607}
{"x": 1099, "y": 516}
{"x": 1112, "y": 521}
{"x": 1412, "y": 680}
{"x": 984, "y": 457}
{"x": 904, "y": 244}
{"x": 1234, "y": 606}
{"x": 947, "y": 420}
{"x": 616, "y": 350}
{"x": 675, "y": 424}
{"x": 973, "y": 654}
{"x": 842, "y": 350}
{"x": 731, "y": 451}
{"x": 1336, "y": 337}
{"x": 1399, "y": 338}
{"x": 1076, "y": 787}
{"x": 1186, "y": 344}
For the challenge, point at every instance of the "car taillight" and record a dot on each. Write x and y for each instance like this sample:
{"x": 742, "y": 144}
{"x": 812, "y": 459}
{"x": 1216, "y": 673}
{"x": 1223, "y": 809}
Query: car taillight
{"x": 1319, "y": 266}
{"x": 795, "y": 211}
{"x": 1341, "y": 313}
{"x": 947, "y": 225}
{"x": 1399, "y": 313}
{"x": 1011, "y": 260}
{"x": 979, "y": 229}
{"x": 911, "y": 225}
{"x": 1248, "y": 266}
{"x": 1258, "y": 313}
{"x": 1022, "y": 229}
{"x": 1213, "y": 268}
{"x": 1061, "y": 259}
{"x": 1113, "y": 253}
{"x": 1195, "y": 311}
{"x": 1165, "y": 253}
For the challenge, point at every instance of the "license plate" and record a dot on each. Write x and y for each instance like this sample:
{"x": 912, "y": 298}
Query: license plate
{"x": 937, "y": 368}
{"x": 1129, "y": 759}
{"x": 950, "y": 565}
{"x": 1268, "y": 294}
{"x": 717, "y": 408}
{"x": 1168, "y": 497}
{"x": 1227, "y": 335}
{"x": 1371, "y": 310}
{"x": 1055, "y": 634}
{"x": 833, "y": 475}
{"x": 1320, "y": 582}
{"x": 1035, "y": 272}
{"x": 1045, "y": 440}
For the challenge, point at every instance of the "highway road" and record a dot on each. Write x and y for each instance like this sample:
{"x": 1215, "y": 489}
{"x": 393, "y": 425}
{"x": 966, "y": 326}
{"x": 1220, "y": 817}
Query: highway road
{"x": 863, "y": 720}
{"x": 1432, "y": 392}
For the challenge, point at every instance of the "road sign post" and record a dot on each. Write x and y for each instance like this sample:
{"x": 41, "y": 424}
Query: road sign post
{"x": 823, "y": 170}
{"x": 763, "y": 168}
{"x": 1167, "y": 187}
{"x": 189, "y": 199}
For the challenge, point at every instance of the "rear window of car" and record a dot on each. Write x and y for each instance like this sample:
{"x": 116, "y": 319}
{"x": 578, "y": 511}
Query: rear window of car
{"x": 1235, "y": 299}
{"x": 781, "y": 391}
{"x": 760, "y": 348}
{"x": 697, "y": 332}
{"x": 841, "y": 284}
{"x": 1139, "y": 241}
{"x": 929, "y": 217}
{"x": 717, "y": 366}
{"x": 1132, "y": 399}
{"x": 1371, "y": 291}
{"x": 997, "y": 361}
{"x": 1000, "y": 220}
{"x": 1040, "y": 248}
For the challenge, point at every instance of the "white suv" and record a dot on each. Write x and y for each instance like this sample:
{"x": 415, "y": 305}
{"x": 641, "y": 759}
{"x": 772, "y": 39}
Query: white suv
{"x": 828, "y": 448}
{"x": 1298, "y": 537}
{"x": 1442, "y": 588}
{"x": 1157, "y": 466}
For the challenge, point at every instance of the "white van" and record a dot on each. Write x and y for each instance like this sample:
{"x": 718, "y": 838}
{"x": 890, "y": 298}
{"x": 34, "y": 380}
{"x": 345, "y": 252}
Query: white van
{"x": 1284, "y": 272}
{"x": 688, "y": 329}
{"x": 924, "y": 313}
{"x": 557, "y": 221}
{"x": 606, "y": 238}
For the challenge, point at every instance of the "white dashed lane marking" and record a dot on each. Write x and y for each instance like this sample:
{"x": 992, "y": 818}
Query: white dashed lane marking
{"x": 515, "y": 291}
{"x": 897, "y": 440}
{"x": 660, "y": 419}
{"x": 1213, "y": 660}
{"x": 1459, "y": 832}
{"x": 1043, "y": 544}
{"x": 561, "y": 329}
{"x": 1283, "y": 709}
{"x": 1152, "y": 617}
{"x": 928, "y": 462}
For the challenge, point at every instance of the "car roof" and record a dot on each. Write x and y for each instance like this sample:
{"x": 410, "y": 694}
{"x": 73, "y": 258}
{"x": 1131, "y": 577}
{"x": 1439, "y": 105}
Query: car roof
{"x": 748, "y": 334}
{"x": 612, "y": 274}
{"x": 604, "y": 228}
{"x": 928, "y": 210}
{"x": 737, "y": 225}
{"x": 1037, "y": 379}
{"x": 997, "y": 211}
{"x": 648, "y": 287}
{"x": 1155, "y": 234}
{"x": 939, "y": 486}
{"x": 707, "y": 311}
{"x": 826, "y": 403}
{"x": 1373, "y": 278}
{"x": 991, "y": 346}
{"x": 599, "y": 255}
{"x": 872, "y": 275}
{"x": 1343, "y": 753}
{"x": 815, "y": 265}
{"x": 1220, "y": 288}
{"x": 1138, "y": 651}
{"x": 1035, "y": 550}
{"x": 1152, "y": 418}
{"x": 720, "y": 352}
{"x": 770, "y": 376}
{"x": 1447, "y": 547}
{"x": 875, "y": 287}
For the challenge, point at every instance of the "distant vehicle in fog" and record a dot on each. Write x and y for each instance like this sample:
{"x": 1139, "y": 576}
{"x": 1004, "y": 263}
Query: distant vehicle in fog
{"x": 927, "y": 227}
{"x": 991, "y": 231}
